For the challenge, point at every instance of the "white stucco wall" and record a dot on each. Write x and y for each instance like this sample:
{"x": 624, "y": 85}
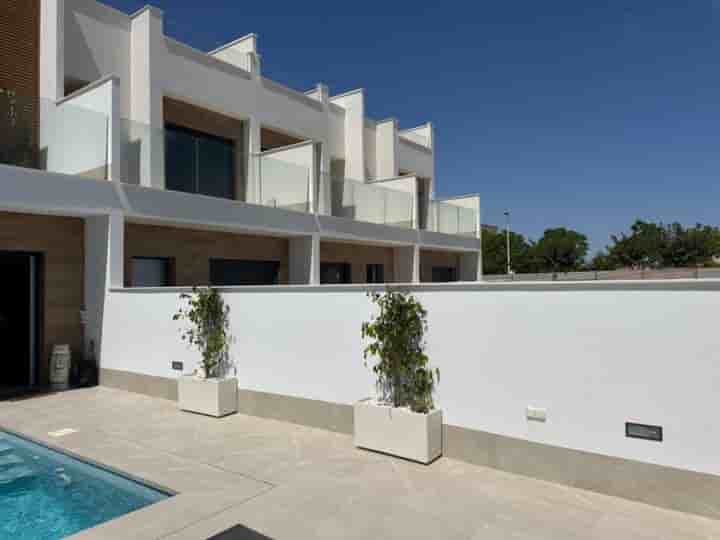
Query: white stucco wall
{"x": 99, "y": 41}
{"x": 386, "y": 153}
{"x": 370, "y": 138}
{"x": 593, "y": 358}
{"x": 415, "y": 159}
{"x": 354, "y": 130}
{"x": 97, "y": 44}
{"x": 238, "y": 52}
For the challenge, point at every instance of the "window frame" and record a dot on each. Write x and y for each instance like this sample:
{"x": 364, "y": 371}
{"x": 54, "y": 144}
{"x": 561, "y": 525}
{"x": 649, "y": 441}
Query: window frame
{"x": 346, "y": 271}
{"x": 169, "y": 270}
{"x": 199, "y": 135}
{"x": 275, "y": 263}
{"x": 370, "y": 269}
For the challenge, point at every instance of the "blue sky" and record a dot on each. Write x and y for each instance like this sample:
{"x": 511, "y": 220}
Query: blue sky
{"x": 569, "y": 114}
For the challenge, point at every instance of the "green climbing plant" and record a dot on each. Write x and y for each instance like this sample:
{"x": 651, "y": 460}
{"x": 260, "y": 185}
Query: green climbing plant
{"x": 209, "y": 328}
{"x": 396, "y": 340}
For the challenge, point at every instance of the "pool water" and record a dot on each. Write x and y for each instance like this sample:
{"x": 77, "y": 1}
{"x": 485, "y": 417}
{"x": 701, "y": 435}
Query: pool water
{"x": 46, "y": 495}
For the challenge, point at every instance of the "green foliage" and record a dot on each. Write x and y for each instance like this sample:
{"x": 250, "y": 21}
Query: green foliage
{"x": 560, "y": 250}
{"x": 643, "y": 247}
{"x": 603, "y": 261}
{"x": 396, "y": 336}
{"x": 646, "y": 245}
{"x": 656, "y": 245}
{"x": 494, "y": 249}
{"x": 209, "y": 328}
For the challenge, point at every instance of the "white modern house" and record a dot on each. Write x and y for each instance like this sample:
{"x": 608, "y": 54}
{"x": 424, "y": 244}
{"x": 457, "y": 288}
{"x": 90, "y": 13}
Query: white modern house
{"x": 133, "y": 167}
{"x": 132, "y": 160}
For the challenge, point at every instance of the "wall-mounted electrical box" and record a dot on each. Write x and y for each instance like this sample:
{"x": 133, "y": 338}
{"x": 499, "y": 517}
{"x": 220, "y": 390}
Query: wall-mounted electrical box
{"x": 536, "y": 415}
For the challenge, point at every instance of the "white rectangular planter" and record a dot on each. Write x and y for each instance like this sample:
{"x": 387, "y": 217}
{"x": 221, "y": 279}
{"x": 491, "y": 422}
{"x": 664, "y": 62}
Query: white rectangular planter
{"x": 212, "y": 397}
{"x": 399, "y": 432}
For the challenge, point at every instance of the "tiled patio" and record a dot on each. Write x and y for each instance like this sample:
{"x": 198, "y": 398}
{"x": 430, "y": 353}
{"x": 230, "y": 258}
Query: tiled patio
{"x": 291, "y": 482}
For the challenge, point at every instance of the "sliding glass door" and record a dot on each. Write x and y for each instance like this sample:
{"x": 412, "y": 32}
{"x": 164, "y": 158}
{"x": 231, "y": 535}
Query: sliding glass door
{"x": 196, "y": 162}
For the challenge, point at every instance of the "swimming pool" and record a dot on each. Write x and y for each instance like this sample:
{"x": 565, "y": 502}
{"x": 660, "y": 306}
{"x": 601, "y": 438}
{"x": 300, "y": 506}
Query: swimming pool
{"x": 47, "y": 495}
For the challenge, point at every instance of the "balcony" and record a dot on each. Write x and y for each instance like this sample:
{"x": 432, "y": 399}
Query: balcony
{"x": 62, "y": 138}
{"x": 285, "y": 177}
{"x": 69, "y": 137}
{"x": 454, "y": 218}
{"x": 373, "y": 204}
{"x": 192, "y": 162}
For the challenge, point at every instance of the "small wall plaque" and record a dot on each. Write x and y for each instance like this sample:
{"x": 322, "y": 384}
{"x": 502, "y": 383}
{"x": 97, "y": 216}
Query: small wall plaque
{"x": 643, "y": 431}
{"x": 177, "y": 366}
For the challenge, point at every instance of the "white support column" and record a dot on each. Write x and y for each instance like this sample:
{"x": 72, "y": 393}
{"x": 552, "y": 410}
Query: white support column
{"x": 96, "y": 277}
{"x": 116, "y": 250}
{"x": 323, "y": 204}
{"x": 407, "y": 264}
{"x": 386, "y": 149}
{"x": 354, "y": 105}
{"x": 254, "y": 189}
{"x": 147, "y": 52}
{"x": 315, "y": 261}
{"x": 471, "y": 266}
{"x": 52, "y": 65}
{"x": 104, "y": 262}
{"x": 305, "y": 260}
{"x": 114, "y": 157}
{"x": 52, "y": 49}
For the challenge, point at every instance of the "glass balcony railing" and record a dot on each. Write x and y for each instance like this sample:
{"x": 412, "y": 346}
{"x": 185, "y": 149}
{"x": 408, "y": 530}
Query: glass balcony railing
{"x": 192, "y": 162}
{"x": 284, "y": 183}
{"x": 452, "y": 219}
{"x": 64, "y": 138}
{"x": 70, "y": 139}
{"x": 367, "y": 202}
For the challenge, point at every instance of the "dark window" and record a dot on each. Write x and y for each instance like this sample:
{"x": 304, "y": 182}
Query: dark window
{"x": 199, "y": 163}
{"x": 375, "y": 273}
{"x": 643, "y": 431}
{"x": 231, "y": 272}
{"x": 444, "y": 274}
{"x": 422, "y": 204}
{"x": 335, "y": 273}
{"x": 151, "y": 272}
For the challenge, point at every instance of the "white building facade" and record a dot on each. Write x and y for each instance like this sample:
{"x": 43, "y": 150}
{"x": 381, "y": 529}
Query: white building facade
{"x": 131, "y": 160}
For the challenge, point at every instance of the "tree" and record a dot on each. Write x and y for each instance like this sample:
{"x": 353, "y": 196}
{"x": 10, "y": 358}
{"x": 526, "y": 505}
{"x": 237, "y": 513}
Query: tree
{"x": 208, "y": 328}
{"x": 494, "y": 250}
{"x": 644, "y": 247}
{"x": 560, "y": 250}
{"x": 694, "y": 246}
{"x": 396, "y": 338}
{"x": 603, "y": 261}
{"x": 655, "y": 245}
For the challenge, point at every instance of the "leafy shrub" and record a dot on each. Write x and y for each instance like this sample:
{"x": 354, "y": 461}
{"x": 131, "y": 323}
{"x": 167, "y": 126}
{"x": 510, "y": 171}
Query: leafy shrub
{"x": 209, "y": 329}
{"x": 397, "y": 340}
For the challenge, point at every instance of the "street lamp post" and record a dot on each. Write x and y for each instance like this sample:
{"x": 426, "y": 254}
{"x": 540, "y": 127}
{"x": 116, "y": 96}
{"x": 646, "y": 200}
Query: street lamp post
{"x": 507, "y": 237}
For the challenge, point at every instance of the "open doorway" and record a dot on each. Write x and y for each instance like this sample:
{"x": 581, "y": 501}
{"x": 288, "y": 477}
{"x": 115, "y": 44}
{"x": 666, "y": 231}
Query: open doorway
{"x": 19, "y": 321}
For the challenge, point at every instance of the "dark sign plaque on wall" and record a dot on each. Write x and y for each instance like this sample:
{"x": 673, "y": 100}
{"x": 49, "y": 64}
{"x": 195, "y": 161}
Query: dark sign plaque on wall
{"x": 643, "y": 431}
